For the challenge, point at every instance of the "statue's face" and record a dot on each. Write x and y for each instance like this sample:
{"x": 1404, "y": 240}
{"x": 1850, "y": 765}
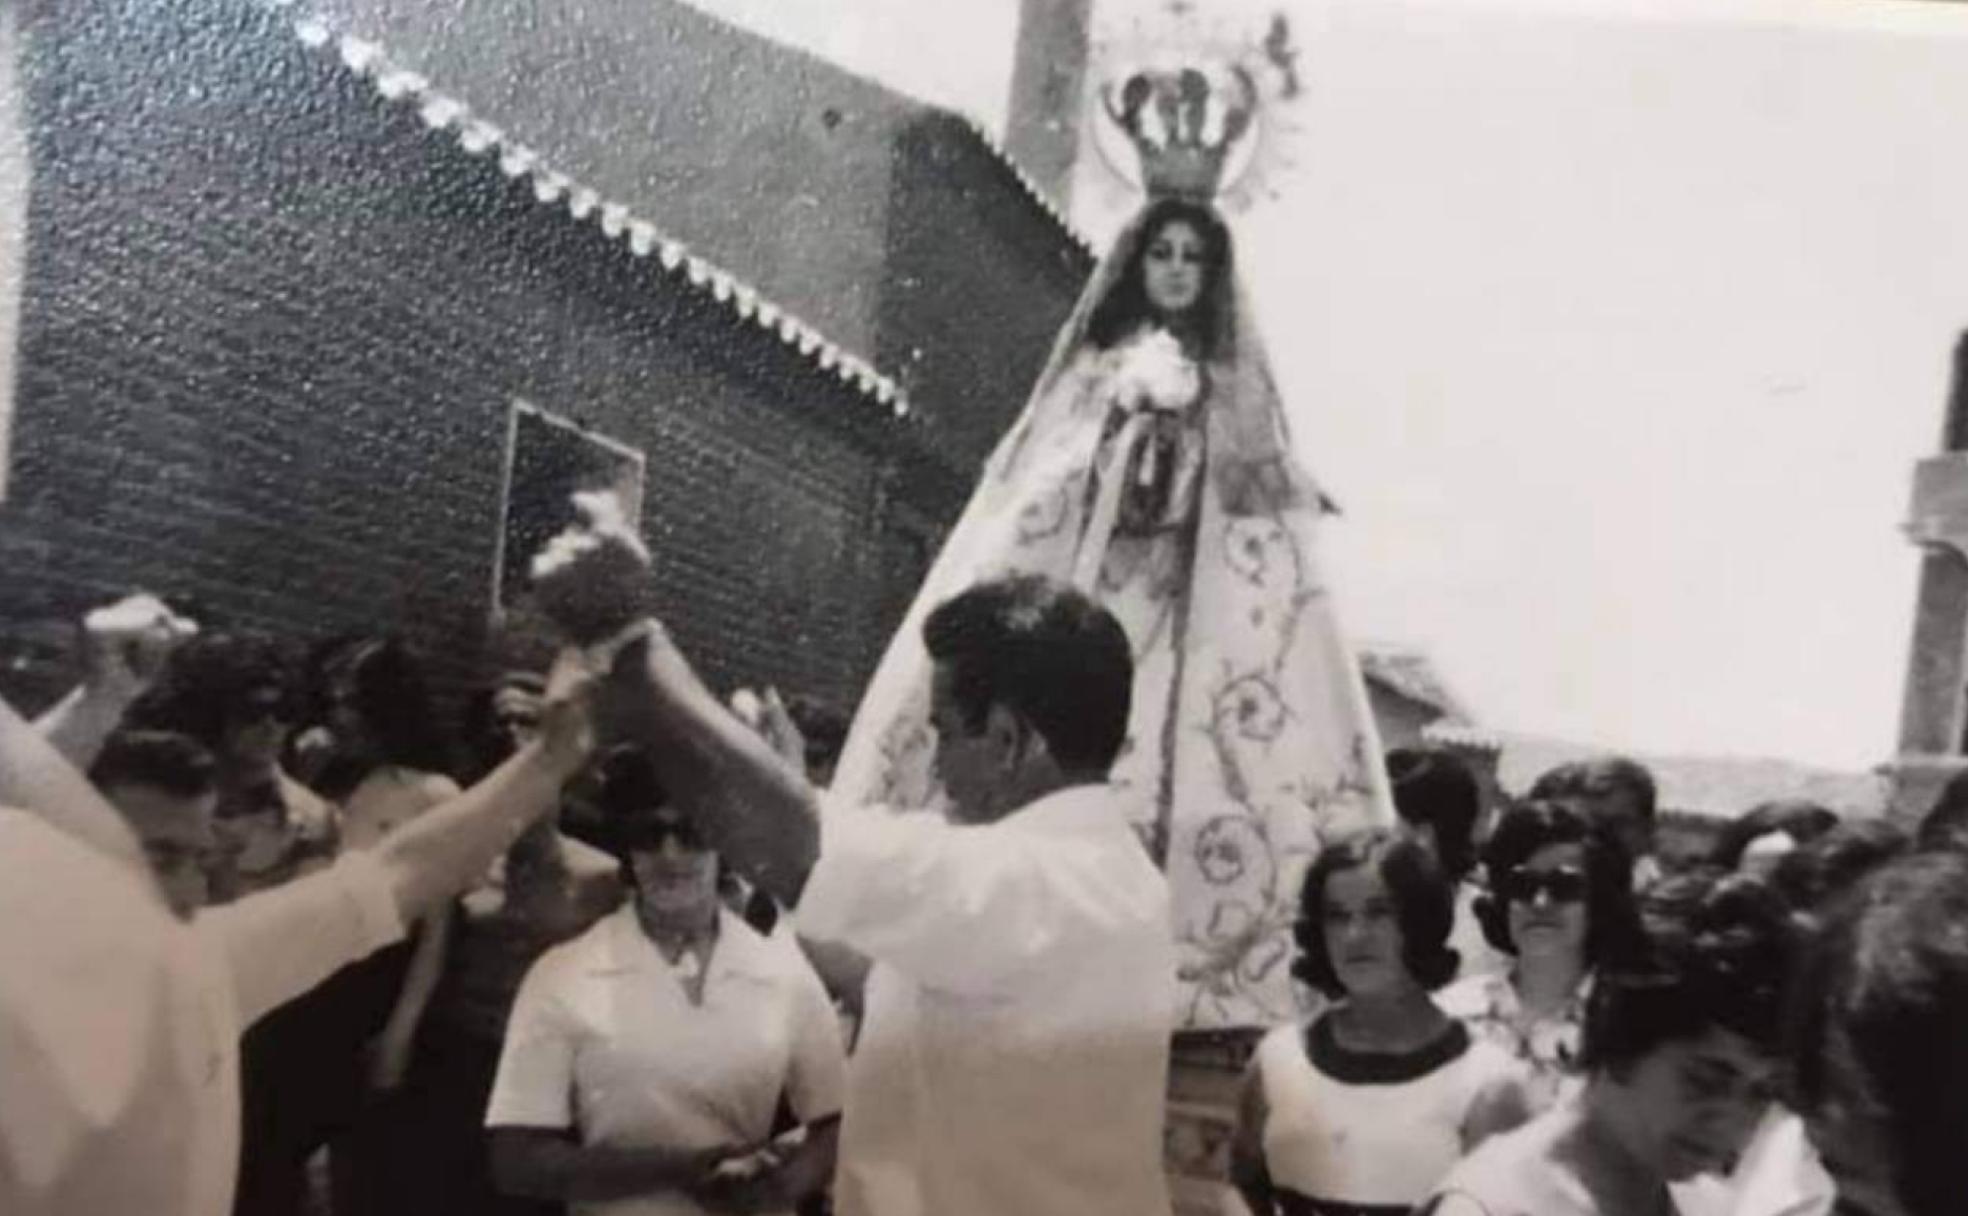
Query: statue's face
{"x": 1172, "y": 269}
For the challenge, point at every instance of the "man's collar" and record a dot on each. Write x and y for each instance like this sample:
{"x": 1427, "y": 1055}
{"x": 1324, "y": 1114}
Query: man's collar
{"x": 1071, "y": 808}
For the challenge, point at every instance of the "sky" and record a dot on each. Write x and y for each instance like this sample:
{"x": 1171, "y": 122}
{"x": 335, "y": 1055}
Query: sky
{"x": 1615, "y": 328}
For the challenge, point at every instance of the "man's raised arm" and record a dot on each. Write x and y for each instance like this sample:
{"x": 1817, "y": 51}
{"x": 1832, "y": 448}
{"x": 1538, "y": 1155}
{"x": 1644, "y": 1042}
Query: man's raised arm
{"x": 592, "y": 581}
{"x": 124, "y": 647}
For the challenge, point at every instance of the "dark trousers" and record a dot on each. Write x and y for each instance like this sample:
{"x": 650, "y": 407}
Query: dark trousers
{"x": 423, "y": 1152}
{"x": 302, "y": 1078}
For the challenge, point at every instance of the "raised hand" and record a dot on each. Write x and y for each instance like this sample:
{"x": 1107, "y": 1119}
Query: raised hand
{"x": 592, "y": 580}
{"x": 767, "y": 716}
{"x": 779, "y": 729}
{"x": 124, "y": 647}
{"x": 126, "y": 644}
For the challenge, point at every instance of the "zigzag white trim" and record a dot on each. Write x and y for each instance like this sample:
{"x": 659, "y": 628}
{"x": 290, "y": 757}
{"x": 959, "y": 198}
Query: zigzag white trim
{"x": 401, "y": 86}
{"x": 1038, "y": 196}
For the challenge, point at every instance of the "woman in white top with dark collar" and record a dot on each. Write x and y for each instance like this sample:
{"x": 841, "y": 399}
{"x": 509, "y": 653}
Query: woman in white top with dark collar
{"x": 1358, "y": 1113}
{"x": 644, "y": 1060}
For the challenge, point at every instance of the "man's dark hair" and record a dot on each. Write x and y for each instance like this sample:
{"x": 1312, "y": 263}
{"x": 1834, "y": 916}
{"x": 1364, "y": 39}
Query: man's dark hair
{"x": 1796, "y": 818}
{"x": 1434, "y": 789}
{"x": 1047, "y": 653}
{"x": 1612, "y": 934}
{"x": 1560, "y": 781}
{"x": 1945, "y": 825}
{"x": 1716, "y": 955}
{"x": 213, "y": 680}
{"x": 1424, "y": 906}
{"x": 1883, "y": 995}
{"x": 169, "y": 761}
{"x": 1611, "y": 774}
{"x": 1815, "y": 874}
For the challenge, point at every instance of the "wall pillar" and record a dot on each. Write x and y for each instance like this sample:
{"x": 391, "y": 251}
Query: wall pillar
{"x": 1042, "y": 132}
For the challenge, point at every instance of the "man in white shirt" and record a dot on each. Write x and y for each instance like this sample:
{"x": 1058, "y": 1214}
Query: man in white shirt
{"x": 120, "y": 1023}
{"x": 1024, "y": 978}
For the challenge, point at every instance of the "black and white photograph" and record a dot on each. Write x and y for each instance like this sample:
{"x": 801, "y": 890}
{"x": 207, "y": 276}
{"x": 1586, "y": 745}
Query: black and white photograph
{"x": 983, "y": 608}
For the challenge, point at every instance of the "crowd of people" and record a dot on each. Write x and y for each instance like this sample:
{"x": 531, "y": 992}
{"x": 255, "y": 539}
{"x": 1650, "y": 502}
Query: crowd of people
{"x": 593, "y": 979}
{"x": 622, "y": 946}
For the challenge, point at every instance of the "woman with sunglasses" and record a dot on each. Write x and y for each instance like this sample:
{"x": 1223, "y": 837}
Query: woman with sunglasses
{"x": 389, "y": 764}
{"x": 1362, "y": 1110}
{"x": 644, "y": 1060}
{"x": 1560, "y": 905}
{"x": 1679, "y": 1061}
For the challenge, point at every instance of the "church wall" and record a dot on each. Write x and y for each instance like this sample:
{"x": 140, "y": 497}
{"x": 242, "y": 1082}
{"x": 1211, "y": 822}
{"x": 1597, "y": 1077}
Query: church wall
{"x": 271, "y": 331}
{"x": 888, "y": 223}
{"x": 981, "y": 280}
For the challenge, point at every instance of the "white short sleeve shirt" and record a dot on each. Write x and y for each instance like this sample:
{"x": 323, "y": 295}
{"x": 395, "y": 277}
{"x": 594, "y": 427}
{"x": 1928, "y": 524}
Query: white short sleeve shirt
{"x": 1019, "y": 1011}
{"x": 605, "y": 1041}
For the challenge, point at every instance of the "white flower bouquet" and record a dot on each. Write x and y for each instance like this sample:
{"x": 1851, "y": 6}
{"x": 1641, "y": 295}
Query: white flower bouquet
{"x": 1153, "y": 372}
{"x": 1152, "y": 447}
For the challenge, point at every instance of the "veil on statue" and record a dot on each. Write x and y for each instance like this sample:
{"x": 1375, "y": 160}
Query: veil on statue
{"x": 1164, "y": 486}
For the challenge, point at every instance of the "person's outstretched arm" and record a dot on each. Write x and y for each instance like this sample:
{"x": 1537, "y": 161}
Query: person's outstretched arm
{"x": 41, "y": 766}
{"x": 124, "y": 647}
{"x": 592, "y": 581}
{"x": 443, "y": 851}
{"x": 766, "y": 816}
{"x": 35, "y": 777}
{"x": 281, "y": 942}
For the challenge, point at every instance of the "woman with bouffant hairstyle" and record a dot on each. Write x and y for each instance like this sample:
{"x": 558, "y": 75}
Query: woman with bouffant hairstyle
{"x": 1364, "y": 1107}
{"x": 1558, "y": 903}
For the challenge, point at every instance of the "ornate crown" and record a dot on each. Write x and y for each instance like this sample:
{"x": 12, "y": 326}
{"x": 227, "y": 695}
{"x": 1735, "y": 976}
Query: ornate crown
{"x": 1166, "y": 116}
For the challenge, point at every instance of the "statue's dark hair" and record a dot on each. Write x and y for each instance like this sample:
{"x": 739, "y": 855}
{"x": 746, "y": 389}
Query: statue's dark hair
{"x": 1126, "y": 305}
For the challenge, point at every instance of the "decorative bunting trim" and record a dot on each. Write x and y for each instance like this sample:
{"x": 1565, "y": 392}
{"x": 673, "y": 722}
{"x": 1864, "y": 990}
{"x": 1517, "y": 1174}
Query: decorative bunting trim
{"x": 401, "y": 86}
{"x": 1032, "y": 188}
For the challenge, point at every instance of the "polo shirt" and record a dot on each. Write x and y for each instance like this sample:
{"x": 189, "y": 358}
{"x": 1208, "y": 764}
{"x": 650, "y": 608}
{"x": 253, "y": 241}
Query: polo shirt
{"x": 604, "y": 1040}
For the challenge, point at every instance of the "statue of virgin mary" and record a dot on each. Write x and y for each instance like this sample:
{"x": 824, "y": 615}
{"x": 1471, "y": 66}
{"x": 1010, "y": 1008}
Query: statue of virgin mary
{"x": 1152, "y": 469}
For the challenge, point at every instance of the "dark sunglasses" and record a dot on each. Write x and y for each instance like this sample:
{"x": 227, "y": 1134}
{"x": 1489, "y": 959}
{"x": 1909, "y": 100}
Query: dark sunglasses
{"x": 1522, "y": 886}
{"x": 646, "y": 833}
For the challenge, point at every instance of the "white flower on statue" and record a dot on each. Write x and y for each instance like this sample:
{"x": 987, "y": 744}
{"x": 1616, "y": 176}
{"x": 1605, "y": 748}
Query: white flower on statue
{"x": 1155, "y": 373}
